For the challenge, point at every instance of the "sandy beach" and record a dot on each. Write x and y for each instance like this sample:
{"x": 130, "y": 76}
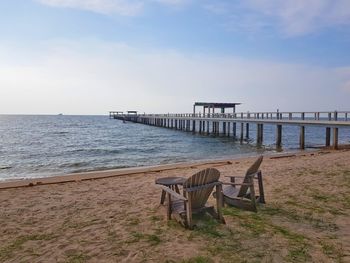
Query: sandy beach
{"x": 117, "y": 218}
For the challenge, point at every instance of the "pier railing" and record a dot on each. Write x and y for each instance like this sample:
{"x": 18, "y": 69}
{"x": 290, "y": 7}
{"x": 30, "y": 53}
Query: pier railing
{"x": 321, "y": 115}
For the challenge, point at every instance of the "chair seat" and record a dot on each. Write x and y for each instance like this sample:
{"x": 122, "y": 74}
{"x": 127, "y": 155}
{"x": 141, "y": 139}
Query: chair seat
{"x": 230, "y": 191}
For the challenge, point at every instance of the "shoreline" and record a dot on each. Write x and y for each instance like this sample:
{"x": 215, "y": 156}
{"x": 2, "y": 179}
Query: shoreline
{"x": 102, "y": 174}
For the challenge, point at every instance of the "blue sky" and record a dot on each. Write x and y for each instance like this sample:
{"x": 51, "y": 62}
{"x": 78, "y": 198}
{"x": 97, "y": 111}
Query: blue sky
{"x": 92, "y": 56}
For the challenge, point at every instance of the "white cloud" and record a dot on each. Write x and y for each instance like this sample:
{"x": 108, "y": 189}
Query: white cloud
{"x": 291, "y": 17}
{"x": 93, "y": 77}
{"x": 173, "y": 2}
{"x": 120, "y": 7}
{"x": 108, "y": 7}
{"x": 344, "y": 74}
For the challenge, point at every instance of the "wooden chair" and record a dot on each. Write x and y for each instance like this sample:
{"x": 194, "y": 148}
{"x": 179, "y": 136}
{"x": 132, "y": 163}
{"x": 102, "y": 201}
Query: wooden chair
{"x": 196, "y": 191}
{"x": 245, "y": 196}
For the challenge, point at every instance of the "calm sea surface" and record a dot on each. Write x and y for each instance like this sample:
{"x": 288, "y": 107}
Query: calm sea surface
{"x": 40, "y": 146}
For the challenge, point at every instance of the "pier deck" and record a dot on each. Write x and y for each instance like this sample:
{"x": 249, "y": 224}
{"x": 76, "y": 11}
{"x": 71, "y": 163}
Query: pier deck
{"x": 220, "y": 123}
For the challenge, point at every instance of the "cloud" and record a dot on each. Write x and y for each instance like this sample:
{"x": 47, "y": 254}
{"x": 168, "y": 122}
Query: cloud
{"x": 291, "y": 17}
{"x": 173, "y": 2}
{"x": 344, "y": 74}
{"x": 120, "y": 7}
{"x": 109, "y": 7}
{"x": 92, "y": 77}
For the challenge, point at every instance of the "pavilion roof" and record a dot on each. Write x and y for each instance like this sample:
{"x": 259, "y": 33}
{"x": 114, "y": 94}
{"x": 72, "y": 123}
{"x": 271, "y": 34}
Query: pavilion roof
{"x": 217, "y": 104}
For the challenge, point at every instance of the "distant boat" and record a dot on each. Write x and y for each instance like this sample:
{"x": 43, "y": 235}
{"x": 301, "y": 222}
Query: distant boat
{"x": 60, "y": 114}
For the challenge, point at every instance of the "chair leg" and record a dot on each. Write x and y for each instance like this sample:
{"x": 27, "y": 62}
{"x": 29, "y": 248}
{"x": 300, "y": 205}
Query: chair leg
{"x": 189, "y": 211}
{"x": 252, "y": 195}
{"x": 219, "y": 202}
{"x": 162, "y": 198}
{"x": 261, "y": 189}
{"x": 169, "y": 208}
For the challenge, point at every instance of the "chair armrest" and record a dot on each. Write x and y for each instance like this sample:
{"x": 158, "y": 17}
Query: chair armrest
{"x": 254, "y": 175}
{"x": 234, "y": 176}
{"x": 173, "y": 193}
{"x": 237, "y": 184}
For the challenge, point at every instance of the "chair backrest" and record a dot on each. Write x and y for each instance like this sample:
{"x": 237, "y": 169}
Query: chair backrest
{"x": 251, "y": 170}
{"x": 201, "y": 182}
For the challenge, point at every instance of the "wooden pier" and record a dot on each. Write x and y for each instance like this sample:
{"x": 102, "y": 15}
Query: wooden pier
{"x": 228, "y": 123}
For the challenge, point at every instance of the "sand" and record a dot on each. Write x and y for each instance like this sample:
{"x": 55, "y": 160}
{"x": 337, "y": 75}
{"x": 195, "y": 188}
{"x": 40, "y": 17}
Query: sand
{"x": 117, "y": 218}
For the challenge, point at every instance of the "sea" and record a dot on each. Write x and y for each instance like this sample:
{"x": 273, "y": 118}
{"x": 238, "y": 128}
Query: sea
{"x": 33, "y": 146}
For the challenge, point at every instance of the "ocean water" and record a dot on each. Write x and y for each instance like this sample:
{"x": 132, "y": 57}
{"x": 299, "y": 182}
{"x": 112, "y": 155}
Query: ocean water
{"x": 41, "y": 146}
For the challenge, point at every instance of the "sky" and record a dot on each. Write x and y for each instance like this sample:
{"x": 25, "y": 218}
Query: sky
{"x": 160, "y": 56}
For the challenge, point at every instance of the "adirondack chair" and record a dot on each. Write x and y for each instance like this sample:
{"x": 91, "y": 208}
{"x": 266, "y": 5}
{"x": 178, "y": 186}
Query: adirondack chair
{"x": 196, "y": 191}
{"x": 245, "y": 196}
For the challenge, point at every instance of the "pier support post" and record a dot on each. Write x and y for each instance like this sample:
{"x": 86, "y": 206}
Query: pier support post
{"x": 208, "y": 127}
{"x": 247, "y": 130}
{"x": 259, "y": 133}
{"x": 242, "y": 131}
{"x": 224, "y": 127}
{"x": 328, "y": 137}
{"x": 302, "y": 138}
{"x": 335, "y": 138}
{"x": 234, "y": 130}
{"x": 279, "y": 136}
{"x": 228, "y": 128}
{"x": 193, "y": 126}
{"x": 200, "y": 126}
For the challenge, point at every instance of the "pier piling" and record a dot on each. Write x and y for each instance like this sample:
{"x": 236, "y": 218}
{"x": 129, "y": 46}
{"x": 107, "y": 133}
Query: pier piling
{"x": 220, "y": 123}
{"x": 302, "y": 137}
{"x": 279, "y": 136}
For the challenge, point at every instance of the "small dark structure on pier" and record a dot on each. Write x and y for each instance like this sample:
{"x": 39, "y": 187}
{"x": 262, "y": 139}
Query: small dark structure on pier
{"x": 115, "y": 114}
{"x": 131, "y": 115}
